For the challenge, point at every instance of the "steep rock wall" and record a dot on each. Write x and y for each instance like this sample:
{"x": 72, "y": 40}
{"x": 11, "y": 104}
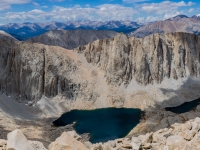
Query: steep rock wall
{"x": 30, "y": 70}
{"x": 149, "y": 60}
{"x": 94, "y": 75}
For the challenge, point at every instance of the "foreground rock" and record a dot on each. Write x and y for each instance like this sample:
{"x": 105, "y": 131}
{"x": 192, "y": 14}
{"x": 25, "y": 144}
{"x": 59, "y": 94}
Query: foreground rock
{"x": 67, "y": 142}
{"x": 17, "y": 141}
{"x": 178, "y": 137}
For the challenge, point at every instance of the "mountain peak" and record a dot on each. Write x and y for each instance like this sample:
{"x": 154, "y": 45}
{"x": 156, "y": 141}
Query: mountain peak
{"x": 177, "y": 18}
{"x": 196, "y": 16}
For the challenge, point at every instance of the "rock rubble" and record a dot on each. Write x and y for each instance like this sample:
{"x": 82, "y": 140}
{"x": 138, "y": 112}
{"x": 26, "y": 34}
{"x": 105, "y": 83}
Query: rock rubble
{"x": 178, "y": 137}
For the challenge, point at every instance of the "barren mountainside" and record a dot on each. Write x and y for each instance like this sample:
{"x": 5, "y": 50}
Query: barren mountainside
{"x": 70, "y": 39}
{"x": 120, "y": 71}
{"x": 179, "y": 23}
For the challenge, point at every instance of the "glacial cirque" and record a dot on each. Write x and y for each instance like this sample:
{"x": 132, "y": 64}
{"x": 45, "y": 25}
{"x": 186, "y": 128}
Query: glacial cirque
{"x": 39, "y": 81}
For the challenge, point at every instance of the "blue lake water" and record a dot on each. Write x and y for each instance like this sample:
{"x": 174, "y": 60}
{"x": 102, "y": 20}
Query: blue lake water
{"x": 185, "y": 107}
{"x": 102, "y": 124}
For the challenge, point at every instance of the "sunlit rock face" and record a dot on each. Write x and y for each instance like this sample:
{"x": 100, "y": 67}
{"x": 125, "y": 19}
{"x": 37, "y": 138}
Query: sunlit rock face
{"x": 160, "y": 69}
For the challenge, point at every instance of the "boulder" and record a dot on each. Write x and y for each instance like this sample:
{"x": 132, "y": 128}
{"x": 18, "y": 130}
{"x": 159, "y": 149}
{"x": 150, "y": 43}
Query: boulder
{"x": 148, "y": 138}
{"x": 3, "y": 144}
{"x": 37, "y": 145}
{"x": 135, "y": 146}
{"x": 74, "y": 135}
{"x": 67, "y": 142}
{"x": 97, "y": 147}
{"x": 176, "y": 142}
{"x": 17, "y": 141}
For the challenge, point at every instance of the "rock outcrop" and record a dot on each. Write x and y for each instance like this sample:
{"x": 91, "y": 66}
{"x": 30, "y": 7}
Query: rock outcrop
{"x": 70, "y": 39}
{"x": 149, "y": 60}
{"x": 66, "y": 141}
{"x": 179, "y": 136}
{"x": 93, "y": 74}
{"x": 17, "y": 141}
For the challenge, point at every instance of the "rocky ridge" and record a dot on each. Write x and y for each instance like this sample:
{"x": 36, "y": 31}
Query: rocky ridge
{"x": 91, "y": 75}
{"x": 70, "y": 39}
{"x": 180, "y": 23}
{"x": 6, "y": 36}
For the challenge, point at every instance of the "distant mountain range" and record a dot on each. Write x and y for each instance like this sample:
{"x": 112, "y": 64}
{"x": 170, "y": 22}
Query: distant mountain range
{"x": 23, "y": 31}
{"x": 70, "y": 39}
{"x": 180, "y": 23}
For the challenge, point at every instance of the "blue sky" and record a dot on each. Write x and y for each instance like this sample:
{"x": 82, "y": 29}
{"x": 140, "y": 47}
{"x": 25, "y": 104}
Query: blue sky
{"x": 95, "y": 10}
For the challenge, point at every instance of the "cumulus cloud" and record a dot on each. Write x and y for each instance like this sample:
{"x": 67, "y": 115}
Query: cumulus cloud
{"x": 56, "y": 0}
{"x": 164, "y": 7}
{"x": 101, "y": 13}
{"x": 191, "y": 10}
{"x": 35, "y": 4}
{"x": 134, "y": 1}
{"x": 6, "y": 4}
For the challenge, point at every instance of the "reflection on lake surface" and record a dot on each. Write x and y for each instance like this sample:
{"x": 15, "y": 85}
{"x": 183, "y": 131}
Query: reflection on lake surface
{"x": 102, "y": 124}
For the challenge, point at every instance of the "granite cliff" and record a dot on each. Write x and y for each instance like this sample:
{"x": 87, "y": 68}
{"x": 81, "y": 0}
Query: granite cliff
{"x": 111, "y": 72}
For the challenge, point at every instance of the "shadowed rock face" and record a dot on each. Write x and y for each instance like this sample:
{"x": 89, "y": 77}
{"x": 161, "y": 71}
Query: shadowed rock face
{"x": 70, "y": 39}
{"x": 96, "y": 73}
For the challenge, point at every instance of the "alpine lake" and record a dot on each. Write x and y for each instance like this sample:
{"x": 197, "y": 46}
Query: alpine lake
{"x": 102, "y": 124}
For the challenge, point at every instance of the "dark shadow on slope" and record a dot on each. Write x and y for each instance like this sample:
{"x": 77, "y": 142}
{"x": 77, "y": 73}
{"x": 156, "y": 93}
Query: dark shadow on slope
{"x": 185, "y": 107}
{"x": 3, "y": 132}
{"x": 174, "y": 110}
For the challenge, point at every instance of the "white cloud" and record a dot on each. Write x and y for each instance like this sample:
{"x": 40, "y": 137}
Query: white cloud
{"x": 101, "y": 13}
{"x": 170, "y": 15}
{"x": 6, "y": 4}
{"x": 140, "y": 20}
{"x": 134, "y": 1}
{"x": 164, "y": 7}
{"x": 191, "y": 10}
{"x": 35, "y": 4}
{"x": 152, "y": 18}
{"x": 56, "y": 0}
